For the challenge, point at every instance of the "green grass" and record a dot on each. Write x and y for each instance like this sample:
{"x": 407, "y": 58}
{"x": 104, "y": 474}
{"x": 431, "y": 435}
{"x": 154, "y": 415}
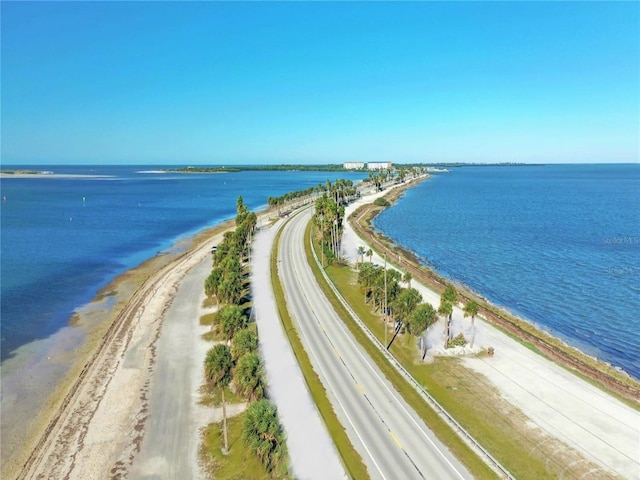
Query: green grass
{"x": 351, "y": 460}
{"x": 212, "y": 397}
{"x": 208, "y": 319}
{"x": 239, "y": 464}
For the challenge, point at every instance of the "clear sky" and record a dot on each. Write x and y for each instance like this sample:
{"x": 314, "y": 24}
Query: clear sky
{"x": 225, "y": 83}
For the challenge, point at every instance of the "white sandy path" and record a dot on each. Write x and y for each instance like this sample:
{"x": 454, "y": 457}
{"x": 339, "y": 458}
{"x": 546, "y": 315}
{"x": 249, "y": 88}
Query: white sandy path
{"x": 603, "y": 429}
{"x": 172, "y": 431}
{"x": 312, "y": 452}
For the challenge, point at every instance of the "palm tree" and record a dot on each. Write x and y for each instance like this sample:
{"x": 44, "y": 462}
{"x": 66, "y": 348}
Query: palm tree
{"x": 249, "y": 376}
{"x": 231, "y": 319}
{"x": 449, "y": 296}
{"x": 361, "y": 253}
{"x": 406, "y": 302}
{"x": 218, "y": 364}
{"x": 407, "y": 277}
{"x": 471, "y": 310}
{"x": 446, "y": 309}
{"x": 422, "y": 317}
{"x": 263, "y": 435}
{"x": 370, "y": 255}
{"x": 244, "y": 341}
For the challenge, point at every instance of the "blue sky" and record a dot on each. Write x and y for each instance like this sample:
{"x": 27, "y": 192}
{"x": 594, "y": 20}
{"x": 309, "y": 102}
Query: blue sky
{"x": 224, "y": 83}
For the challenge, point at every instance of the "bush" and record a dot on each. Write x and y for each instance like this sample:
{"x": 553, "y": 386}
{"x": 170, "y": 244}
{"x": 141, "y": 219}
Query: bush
{"x": 458, "y": 341}
{"x": 381, "y": 202}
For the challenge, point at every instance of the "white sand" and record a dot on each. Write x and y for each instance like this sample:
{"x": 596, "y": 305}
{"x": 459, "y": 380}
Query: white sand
{"x": 603, "y": 429}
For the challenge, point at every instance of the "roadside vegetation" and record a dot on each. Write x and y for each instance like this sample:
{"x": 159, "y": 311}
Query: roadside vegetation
{"x": 234, "y": 367}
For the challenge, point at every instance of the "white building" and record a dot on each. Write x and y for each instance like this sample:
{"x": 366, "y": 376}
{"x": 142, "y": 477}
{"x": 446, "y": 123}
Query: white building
{"x": 353, "y": 165}
{"x": 379, "y": 166}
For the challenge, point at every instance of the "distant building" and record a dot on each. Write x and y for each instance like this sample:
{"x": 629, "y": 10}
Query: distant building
{"x": 353, "y": 165}
{"x": 379, "y": 166}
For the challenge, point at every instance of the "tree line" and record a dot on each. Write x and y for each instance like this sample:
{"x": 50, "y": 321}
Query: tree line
{"x": 236, "y": 361}
{"x": 404, "y": 306}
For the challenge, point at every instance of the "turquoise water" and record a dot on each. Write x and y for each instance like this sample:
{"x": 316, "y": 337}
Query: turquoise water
{"x": 557, "y": 245}
{"x": 64, "y": 238}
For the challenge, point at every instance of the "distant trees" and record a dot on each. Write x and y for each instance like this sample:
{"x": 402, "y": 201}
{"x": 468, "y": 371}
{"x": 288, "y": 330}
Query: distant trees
{"x": 329, "y": 215}
{"x": 226, "y": 280}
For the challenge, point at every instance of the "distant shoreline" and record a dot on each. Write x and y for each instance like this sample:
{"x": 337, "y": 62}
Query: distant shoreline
{"x": 45, "y": 174}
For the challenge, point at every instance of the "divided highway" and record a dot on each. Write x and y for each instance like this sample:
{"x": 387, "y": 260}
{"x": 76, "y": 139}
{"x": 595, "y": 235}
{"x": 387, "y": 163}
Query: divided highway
{"x": 392, "y": 440}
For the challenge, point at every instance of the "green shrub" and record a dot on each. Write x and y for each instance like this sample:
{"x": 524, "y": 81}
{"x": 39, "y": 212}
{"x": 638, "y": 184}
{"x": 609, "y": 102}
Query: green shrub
{"x": 458, "y": 341}
{"x": 381, "y": 202}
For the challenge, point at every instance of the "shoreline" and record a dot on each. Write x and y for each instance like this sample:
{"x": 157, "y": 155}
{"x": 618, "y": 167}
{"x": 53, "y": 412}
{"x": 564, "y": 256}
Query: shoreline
{"x": 98, "y": 320}
{"x": 4, "y": 175}
{"x": 611, "y": 378}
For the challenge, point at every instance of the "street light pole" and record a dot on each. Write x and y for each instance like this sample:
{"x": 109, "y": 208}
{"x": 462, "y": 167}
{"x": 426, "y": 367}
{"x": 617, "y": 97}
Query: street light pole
{"x": 385, "y": 300}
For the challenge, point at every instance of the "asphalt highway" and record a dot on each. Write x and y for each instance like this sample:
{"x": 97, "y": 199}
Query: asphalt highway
{"x": 393, "y": 441}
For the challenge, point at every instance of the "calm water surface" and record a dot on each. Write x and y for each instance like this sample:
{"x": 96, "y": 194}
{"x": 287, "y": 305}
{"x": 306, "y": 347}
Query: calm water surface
{"x": 558, "y": 245}
{"x": 64, "y": 238}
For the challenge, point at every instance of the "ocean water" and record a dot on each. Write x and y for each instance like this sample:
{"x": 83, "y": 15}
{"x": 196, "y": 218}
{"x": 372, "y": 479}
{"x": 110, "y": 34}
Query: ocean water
{"x": 62, "y": 239}
{"x": 557, "y": 245}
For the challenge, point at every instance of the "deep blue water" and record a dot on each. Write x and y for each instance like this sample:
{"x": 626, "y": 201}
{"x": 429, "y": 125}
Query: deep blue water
{"x": 63, "y": 239}
{"x": 557, "y": 245}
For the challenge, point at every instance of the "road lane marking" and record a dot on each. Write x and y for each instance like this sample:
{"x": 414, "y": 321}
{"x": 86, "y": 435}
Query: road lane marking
{"x": 360, "y": 388}
{"x": 395, "y": 439}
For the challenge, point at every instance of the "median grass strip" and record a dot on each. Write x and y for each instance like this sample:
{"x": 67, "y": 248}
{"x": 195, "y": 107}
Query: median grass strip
{"x": 351, "y": 460}
{"x": 497, "y": 425}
